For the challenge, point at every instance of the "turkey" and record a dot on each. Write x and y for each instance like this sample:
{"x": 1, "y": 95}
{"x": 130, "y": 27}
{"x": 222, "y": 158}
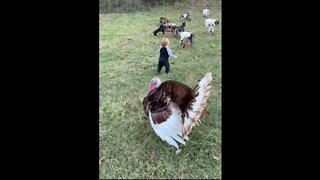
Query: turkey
{"x": 174, "y": 108}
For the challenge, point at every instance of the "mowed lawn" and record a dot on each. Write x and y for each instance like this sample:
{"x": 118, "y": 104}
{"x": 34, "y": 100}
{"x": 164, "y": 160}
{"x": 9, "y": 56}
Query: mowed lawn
{"x": 129, "y": 148}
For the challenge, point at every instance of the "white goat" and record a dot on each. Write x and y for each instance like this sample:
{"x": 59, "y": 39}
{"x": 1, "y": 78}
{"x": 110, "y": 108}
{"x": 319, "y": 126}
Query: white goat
{"x": 205, "y": 12}
{"x": 211, "y": 22}
{"x": 210, "y": 30}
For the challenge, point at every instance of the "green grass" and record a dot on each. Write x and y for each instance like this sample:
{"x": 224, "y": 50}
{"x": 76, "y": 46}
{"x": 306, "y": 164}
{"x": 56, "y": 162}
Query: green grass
{"x": 129, "y": 148}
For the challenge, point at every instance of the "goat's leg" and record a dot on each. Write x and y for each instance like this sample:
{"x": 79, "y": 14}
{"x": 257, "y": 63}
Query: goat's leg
{"x": 159, "y": 29}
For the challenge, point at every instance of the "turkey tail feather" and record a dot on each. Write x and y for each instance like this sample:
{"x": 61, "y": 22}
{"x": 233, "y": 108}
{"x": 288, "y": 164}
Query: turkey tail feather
{"x": 202, "y": 90}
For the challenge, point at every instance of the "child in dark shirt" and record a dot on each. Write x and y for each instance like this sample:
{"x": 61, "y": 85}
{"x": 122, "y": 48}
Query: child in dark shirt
{"x": 165, "y": 52}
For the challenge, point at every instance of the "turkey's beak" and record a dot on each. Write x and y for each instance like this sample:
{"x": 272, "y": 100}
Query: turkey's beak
{"x": 151, "y": 87}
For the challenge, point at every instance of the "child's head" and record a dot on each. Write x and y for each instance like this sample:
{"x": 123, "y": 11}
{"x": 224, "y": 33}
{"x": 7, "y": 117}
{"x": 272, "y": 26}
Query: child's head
{"x": 165, "y": 42}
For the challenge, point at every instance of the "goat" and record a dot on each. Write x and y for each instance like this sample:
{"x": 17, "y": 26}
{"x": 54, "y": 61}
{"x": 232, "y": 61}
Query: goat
{"x": 165, "y": 27}
{"x": 186, "y": 16}
{"x": 179, "y": 29}
{"x": 186, "y": 34}
{"x": 205, "y": 12}
{"x": 211, "y": 22}
{"x": 186, "y": 41}
{"x": 169, "y": 27}
{"x": 210, "y": 30}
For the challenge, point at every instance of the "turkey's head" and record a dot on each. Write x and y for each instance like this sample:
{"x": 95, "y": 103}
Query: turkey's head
{"x": 155, "y": 83}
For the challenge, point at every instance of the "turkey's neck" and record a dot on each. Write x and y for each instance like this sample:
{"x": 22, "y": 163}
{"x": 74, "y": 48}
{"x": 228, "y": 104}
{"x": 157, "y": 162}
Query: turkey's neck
{"x": 152, "y": 91}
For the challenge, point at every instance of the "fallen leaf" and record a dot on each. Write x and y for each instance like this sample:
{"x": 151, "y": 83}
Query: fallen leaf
{"x": 152, "y": 156}
{"x": 215, "y": 158}
{"x": 101, "y": 160}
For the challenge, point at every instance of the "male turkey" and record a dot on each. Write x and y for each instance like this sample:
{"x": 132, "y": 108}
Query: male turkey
{"x": 174, "y": 108}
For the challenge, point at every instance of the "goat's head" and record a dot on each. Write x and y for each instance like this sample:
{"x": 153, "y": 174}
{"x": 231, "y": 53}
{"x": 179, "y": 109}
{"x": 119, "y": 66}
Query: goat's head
{"x": 176, "y": 33}
{"x": 163, "y": 20}
{"x": 217, "y": 21}
{"x": 188, "y": 16}
{"x": 192, "y": 35}
{"x": 210, "y": 30}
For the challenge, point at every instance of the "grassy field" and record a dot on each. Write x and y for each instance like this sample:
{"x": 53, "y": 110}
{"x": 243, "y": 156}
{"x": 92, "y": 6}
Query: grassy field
{"x": 129, "y": 148}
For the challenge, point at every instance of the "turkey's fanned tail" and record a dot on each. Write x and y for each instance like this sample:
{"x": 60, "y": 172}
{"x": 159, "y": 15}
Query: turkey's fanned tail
{"x": 203, "y": 90}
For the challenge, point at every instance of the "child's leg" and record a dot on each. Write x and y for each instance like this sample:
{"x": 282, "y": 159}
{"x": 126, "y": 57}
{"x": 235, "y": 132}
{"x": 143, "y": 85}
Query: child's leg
{"x": 167, "y": 67}
{"x": 159, "y": 67}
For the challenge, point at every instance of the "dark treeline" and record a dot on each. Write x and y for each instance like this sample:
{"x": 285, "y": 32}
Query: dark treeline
{"x": 118, "y": 6}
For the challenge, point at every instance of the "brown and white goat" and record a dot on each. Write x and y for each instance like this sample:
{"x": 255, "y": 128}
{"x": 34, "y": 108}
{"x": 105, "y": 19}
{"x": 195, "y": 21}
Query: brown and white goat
{"x": 165, "y": 26}
{"x": 169, "y": 27}
{"x": 186, "y": 34}
{"x": 185, "y": 41}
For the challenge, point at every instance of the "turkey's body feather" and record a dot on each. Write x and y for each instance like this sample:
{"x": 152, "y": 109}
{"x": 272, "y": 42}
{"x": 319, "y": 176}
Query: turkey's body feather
{"x": 180, "y": 94}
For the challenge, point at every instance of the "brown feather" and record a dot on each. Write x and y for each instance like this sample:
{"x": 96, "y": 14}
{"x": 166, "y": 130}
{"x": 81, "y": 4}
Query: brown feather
{"x": 158, "y": 101}
{"x": 179, "y": 93}
{"x": 161, "y": 116}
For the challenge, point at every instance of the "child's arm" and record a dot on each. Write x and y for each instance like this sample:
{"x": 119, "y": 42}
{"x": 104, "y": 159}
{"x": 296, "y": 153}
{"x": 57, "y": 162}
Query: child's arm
{"x": 170, "y": 54}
